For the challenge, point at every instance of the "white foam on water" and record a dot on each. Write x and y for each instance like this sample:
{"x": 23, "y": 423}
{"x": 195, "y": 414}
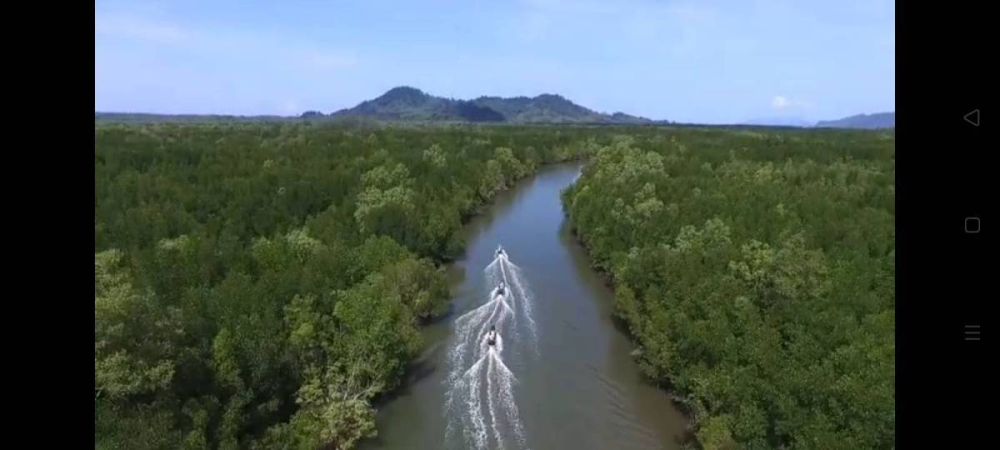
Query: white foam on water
{"x": 491, "y": 400}
{"x": 506, "y": 397}
{"x": 519, "y": 293}
{"x": 487, "y": 375}
{"x": 476, "y": 429}
{"x": 458, "y": 378}
{"x": 470, "y": 344}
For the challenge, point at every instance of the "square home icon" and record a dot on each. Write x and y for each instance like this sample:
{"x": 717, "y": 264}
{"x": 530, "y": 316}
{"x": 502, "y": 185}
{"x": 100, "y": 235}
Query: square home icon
{"x": 971, "y": 224}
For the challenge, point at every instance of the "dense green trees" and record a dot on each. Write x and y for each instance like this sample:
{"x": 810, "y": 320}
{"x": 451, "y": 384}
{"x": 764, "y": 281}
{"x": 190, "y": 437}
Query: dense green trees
{"x": 756, "y": 272}
{"x": 259, "y": 285}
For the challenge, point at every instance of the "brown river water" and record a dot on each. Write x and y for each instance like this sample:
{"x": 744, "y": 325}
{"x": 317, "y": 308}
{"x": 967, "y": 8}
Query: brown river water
{"x": 559, "y": 377}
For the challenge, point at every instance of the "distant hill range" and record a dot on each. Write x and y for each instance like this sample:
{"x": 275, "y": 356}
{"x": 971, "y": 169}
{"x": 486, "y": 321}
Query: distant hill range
{"x": 871, "y": 121}
{"x": 411, "y": 104}
{"x": 408, "y": 104}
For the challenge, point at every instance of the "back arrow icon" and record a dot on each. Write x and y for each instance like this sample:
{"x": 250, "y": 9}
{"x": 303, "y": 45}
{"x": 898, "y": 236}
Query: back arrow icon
{"x": 973, "y": 118}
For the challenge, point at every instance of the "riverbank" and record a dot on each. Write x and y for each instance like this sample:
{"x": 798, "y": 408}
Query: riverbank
{"x": 576, "y": 375}
{"x": 744, "y": 278}
{"x": 279, "y": 273}
{"x": 683, "y": 403}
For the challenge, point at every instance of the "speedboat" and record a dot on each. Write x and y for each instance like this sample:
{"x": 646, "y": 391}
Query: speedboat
{"x": 501, "y": 289}
{"x": 500, "y": 251}
{"x": 491, "y": 336}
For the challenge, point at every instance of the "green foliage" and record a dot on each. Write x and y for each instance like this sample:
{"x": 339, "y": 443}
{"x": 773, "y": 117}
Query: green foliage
{"x": 121, "y": 426}
{"x": 257, "y": 285}
{"x": 135, "y": 338}
{"x": 756, "y": 272}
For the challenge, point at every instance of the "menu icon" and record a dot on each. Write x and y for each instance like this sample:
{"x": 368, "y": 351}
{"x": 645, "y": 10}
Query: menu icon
{"x": 972, "y": 332}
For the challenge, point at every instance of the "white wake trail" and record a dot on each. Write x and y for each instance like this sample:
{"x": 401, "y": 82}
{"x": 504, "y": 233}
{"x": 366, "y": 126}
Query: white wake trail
{"x": 490, "y": 398}
{"x": 460, "y": 380}
{"x": 496, "y": 419}
{"x": 506, "y": 394}
{"x": 518, "y": 286}
{"x": 476, "y": 433}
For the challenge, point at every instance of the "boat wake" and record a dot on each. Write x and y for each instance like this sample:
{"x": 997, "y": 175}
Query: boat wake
{"x": 480, "y": 386}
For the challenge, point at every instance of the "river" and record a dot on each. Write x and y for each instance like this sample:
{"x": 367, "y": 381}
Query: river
{"x": 560, "y": 375}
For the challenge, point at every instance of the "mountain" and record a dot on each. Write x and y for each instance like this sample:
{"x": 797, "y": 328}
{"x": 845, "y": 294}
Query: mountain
{"x": 543, "y": 108}
{"x": 410, "y": 104}
{"x": 620, "y": 117}
{"x": 878, "y": 120}
{"x": 778, "y": 122}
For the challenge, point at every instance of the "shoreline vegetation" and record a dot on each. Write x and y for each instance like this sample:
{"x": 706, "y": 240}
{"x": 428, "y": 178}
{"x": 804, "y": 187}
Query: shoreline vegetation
{"x": 260, "y": 285}
{"x": 681, "y": 402}
{"x": 756, "y": 275}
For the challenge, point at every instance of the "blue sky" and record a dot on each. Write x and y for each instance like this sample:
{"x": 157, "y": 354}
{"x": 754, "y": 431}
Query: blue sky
{"x": 692, "y": 61}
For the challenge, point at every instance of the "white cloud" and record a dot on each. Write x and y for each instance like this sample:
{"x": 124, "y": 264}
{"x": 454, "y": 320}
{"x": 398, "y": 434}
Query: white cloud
{"x": 135, "y": 28}
{"x": 654, "y": 28}
{"x": 324, "y": 60}
{"x": 577, "y": 6}
{"x": 257, "y": 46}
{"x": 875, "y": 8}
{"x": 782, "y": 103}
{"x": 531, "y": 27}
{"x": 289, "y": 107}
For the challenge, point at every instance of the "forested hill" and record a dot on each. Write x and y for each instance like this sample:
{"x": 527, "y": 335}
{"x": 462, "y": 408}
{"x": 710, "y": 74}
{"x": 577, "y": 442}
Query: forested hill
{"x": 407, "y": 104}
{"x": 411, "y": 104}
{"x": 878, "y": 120}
